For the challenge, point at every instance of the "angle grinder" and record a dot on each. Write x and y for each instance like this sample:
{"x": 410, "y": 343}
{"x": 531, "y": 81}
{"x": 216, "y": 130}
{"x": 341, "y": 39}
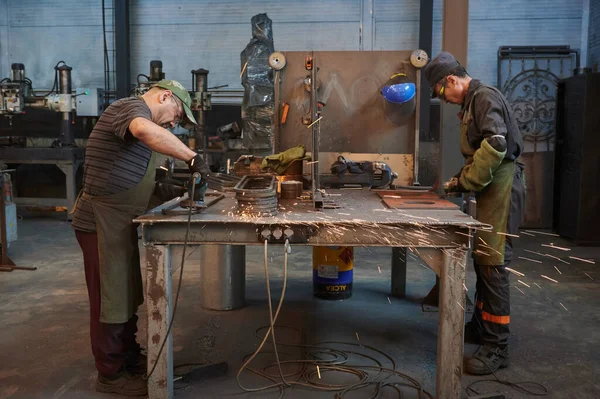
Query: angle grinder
{"x": 199, "y": 188}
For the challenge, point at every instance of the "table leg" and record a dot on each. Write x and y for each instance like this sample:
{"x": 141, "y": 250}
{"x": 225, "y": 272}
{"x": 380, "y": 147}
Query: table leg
{"x": 451, "y": 323}
{"x": 399, "y": 272}
{"x": 70, "y": 171}
{"x": 157, "y": 261}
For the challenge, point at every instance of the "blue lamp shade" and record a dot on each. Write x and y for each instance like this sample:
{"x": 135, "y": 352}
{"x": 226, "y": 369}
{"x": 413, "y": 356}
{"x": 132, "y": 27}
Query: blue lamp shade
{"x": 399, "y": 93}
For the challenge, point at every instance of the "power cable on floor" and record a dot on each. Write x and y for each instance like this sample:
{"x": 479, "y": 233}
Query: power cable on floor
{"x": 315, "y": 362}
{"x": 517, "y": 386}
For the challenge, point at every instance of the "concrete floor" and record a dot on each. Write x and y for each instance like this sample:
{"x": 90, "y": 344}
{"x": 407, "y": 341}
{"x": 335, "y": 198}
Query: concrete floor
{"x": 44, "y": 344}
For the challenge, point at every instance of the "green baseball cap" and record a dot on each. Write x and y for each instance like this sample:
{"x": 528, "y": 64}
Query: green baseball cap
{"x": 181, "y": 93}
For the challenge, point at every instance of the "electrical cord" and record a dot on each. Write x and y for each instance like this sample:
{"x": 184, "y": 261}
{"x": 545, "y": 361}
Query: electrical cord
{"x": 271, "y": 330}
{"x": 137, "y": 78}
{"x": 54, "y": 85}
{"x": 185, "y": 242}
{"x": 314, "y": 354}
{"x": 517, "y": 386}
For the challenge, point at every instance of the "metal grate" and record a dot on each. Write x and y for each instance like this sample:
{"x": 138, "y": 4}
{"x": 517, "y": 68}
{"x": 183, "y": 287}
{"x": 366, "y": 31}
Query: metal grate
{"x": 528, "y": 77}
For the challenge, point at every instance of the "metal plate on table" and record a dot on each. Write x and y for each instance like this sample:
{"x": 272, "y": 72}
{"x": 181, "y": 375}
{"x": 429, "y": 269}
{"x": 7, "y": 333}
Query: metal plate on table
{"x": 419, "y": 203}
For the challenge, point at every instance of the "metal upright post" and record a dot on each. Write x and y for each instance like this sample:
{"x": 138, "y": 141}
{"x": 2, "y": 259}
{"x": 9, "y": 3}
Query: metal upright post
{"x": 122, "y": 49}
{"x": 314, "y": 108}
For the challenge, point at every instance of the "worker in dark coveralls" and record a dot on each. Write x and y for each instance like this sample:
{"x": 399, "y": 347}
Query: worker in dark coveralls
{"x": 491, "y": 143}
{"x": 119, "y": 179}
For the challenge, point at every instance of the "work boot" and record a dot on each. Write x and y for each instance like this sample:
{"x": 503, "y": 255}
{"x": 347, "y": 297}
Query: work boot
{"x": 123, "y": 383}
{"x": 136, "y": 361}
{"x": 473, "y": 334}
{"x": 487, "y": 360}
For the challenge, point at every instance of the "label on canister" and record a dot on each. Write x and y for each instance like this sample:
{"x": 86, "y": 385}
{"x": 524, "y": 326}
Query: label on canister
{"x": 333, "y": 272}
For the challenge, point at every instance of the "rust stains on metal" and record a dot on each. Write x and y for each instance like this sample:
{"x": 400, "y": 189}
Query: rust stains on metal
{"x": 156, "y": 339}
{"x": 156, "y": 315}
{"x": 155, "y": 289}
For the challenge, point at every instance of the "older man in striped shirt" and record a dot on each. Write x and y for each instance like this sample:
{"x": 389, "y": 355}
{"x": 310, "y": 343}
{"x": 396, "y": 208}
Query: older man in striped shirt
{"x": 119, "y": 179}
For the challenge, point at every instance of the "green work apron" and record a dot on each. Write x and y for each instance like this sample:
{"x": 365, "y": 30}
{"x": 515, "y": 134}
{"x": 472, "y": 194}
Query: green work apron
{"x": 121, "y": 290}
{"x": 493, "y": 203}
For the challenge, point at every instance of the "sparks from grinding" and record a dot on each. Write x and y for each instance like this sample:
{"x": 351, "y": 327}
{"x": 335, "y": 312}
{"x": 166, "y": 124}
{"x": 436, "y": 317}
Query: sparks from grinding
{"x": 318, "y": 371}
{"x": 488, "y": 247}
{"x": 538, "y": 285}
{"x": 541, "y": 232}
{"x": 526, "y": 285}
{"x": 557, "y": 270}
{"x": 318, "y": 119}
{"x": 534, "y": 252}
{"x": 564, "y": 307}
{"x": 558, "y": 259}
{"x": 555, "y": 247}
{"x": 528, "y": 234}
{"x": 582, "y": 260}
{"x": 463, "y": 234}
{"x": 465, "y": 287}
{"x": 484, "y": 243}
{"x": 388, "y": 298}
{"x": 379, "y": 268}
{"x": 588, "y": 276}
{"x": 520, "y": 290}
{"x": 357, "y": 338}
{"x": 531, "y": 260}
{"x": 548, "y": 278}
{"x": 461, "y": 306}
{"x": 515, "y": 272}
{"x": 506, "y": 234}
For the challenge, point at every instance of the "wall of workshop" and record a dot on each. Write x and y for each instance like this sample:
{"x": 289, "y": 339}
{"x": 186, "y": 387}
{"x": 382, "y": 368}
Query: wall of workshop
{"x": 516, "y": 23}
{"x": 594, "y": 35}
{"x": 39, "y": 33}
{"x": 188, "y": 34}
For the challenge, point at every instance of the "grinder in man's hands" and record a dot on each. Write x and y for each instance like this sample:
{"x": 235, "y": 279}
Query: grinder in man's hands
{"x": 198, "y": 182}
{"x": 169, "y": 188}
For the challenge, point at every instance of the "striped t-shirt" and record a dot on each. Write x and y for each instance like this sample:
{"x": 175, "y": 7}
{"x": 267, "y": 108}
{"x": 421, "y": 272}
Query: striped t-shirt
{"x": 114, "y": 160}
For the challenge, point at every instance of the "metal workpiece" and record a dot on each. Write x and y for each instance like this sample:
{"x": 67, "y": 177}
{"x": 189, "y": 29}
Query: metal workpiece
{"x": 222, "y": 182}
{"x": 256, "y": 185}
{"x": 256, "y": 195}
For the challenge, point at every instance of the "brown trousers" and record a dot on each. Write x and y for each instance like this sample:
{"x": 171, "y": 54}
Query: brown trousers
{"x": 110, "y": 342}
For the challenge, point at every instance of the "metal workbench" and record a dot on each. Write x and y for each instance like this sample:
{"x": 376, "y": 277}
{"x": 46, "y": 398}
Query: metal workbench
{"x": 440, "y": 237}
